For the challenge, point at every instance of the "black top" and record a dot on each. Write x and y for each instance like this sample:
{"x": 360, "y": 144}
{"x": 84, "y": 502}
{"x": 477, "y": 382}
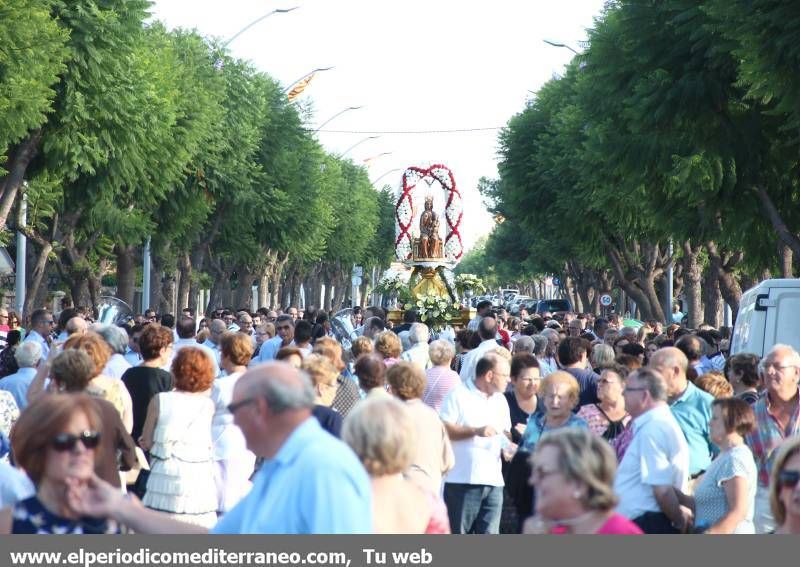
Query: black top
{"x": 143, "y": 383}
{"x": 31, "y": 517}
{"x": 518, "y": 415}
{"x": 330, "y": 420}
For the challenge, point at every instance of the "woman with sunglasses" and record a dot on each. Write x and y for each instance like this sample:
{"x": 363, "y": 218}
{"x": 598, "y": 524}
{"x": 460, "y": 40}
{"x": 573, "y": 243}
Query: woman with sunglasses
{"x": 55, "y": 441}
{"x": 784, "y": 493}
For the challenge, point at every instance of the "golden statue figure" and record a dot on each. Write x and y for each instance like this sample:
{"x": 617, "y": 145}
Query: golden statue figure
{"x": 429, "y": 243}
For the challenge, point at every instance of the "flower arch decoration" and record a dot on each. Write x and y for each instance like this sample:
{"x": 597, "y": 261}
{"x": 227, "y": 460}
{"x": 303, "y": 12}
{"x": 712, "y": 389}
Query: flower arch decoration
{"x": 404, "y": 216}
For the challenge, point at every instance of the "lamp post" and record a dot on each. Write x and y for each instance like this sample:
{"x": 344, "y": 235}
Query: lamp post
{"x": 380, "y": 155}
{"x": 304, "y": 75}
{"x": 349, "y": 108}
{"x": 564, "y": 45}
{"x": 257, "y": 20}
{"x": 22, "y": 243}
{"x": 344, "y": 153}
{"x": 387, "y": 173}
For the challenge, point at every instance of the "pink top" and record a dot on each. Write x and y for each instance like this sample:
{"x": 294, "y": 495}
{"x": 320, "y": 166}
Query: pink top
{"x": 440, "y": 381}
{"x": 617, "y": 524}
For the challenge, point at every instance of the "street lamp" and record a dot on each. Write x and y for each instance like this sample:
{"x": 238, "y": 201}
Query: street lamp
{"x": 380, "y": 155}
{"x": 349, "y": 108}
{"x": 564, "y": 45}
{"x": 257, "y": 20}
{"x": 344, "y": 153}
{"x": 304, "y": 75}
{"x": 387, "y": 173}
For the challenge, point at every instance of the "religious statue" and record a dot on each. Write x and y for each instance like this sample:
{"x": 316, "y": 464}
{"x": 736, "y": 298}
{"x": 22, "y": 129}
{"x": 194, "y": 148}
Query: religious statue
{"x": 430, "y": 243}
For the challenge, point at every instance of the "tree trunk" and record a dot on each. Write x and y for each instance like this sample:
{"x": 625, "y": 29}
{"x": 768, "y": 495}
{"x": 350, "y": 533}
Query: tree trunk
{"x": 16, "y": 165}
{"x": 185, "y": 285}
{"x": 712, "y": 298}
{"x": 126, "y": 272}
{"x": 770, "y": 211}
{"x": 263, "y": 290}
{"x": 724, "y": 264}
{"x": 692, "y": 278}
{"x": 36, "y": 277}
{"x": 244, "y": 293}
{"x": 787, "y": 257}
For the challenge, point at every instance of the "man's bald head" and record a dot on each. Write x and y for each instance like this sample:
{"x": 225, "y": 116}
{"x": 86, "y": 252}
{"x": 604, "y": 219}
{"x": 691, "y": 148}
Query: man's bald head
{"x": 282, "y": 386}
{"x": 672, "y": 364}
{"x": 76, "y": 325}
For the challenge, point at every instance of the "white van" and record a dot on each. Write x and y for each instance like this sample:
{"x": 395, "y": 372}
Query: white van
{"x": 768, "y": 314}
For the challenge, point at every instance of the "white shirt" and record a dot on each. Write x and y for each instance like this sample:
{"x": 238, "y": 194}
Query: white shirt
{"x": 216, "y": 348}
{"x": 192, "y": 342}
{"x": 228, "y": 438}
{"x": 657, "y": 456}
{"x": 470, "y": 362}
{"x": 478, "y": 460}
{"x": 116, "y": 366}
{"x": 418, "y": 354}
{"x": 14, "y": 485}
{"x": 474, "y": 322}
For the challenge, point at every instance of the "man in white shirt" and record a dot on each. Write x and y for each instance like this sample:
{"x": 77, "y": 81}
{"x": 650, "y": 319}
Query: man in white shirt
{"x": 656, "y": 463}
{"x": 187, "y": 337}
{"x": 284, "y": 327}
{"x": 483, "y": 308}
{"x": 477, "y": 419}
{"x": 41, "y": 331}
{"x": 487, "y": 331}
{"x": 27, "y": 355}
{"x": 418, "y": 336}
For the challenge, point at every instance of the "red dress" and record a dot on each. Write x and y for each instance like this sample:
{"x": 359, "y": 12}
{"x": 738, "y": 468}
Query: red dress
{"x": 617, "y": 524}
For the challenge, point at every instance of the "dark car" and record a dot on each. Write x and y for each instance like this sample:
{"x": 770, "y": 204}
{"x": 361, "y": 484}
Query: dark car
{"x": 553, "y": 306}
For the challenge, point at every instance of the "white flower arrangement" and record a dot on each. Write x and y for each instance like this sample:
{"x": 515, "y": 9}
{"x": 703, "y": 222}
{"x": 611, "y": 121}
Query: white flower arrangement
{"x": 436, "y": 312}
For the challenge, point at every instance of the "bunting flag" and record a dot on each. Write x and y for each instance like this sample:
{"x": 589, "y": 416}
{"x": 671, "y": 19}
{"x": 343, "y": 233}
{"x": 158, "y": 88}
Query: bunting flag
{"x": 299, "y": 87}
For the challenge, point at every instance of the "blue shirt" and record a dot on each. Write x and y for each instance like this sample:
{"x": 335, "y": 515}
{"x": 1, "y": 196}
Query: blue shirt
{"x": 536, "y": 427}
{"x": 37, "y": 338}
{"x": 692, "y": 411}
{"x": 268, "y": 350}
{"x": 17, "y": 384}
{"x": 314, "y": 485}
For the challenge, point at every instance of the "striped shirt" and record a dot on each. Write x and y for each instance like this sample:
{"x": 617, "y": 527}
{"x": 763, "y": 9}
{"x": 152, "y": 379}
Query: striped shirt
{"x": 439, "y": 381}
{"x": 768, "y": 436}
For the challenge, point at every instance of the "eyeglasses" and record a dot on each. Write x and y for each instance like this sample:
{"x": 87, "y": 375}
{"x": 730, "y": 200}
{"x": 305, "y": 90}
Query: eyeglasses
{"x": 538, "y": 473}
{"x": 629, "y": 389}
{"x": 788, "y": 479}
{"x": 777, "y": 367}
{"x": 67, "y": 441}
{"x": 50, "y": 322}
{"x": 236, "y": 406}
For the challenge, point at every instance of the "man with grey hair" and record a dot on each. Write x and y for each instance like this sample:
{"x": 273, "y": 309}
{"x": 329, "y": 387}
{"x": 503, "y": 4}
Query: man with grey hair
{"x": 548, "y": 363}
{"x": 418, "y": 336}
{"x": 777, "y": 415}
{"x": 28, "y": 355}
{"x": 76, "y": 326}
{"x": 117, "y": 339}
{"x": 690, "y": 405}
{"x": 655, "y": 467}
{"x": 216, "y": 329}
{"x": 523, "y": 345}
{"x": 310, "y": 482}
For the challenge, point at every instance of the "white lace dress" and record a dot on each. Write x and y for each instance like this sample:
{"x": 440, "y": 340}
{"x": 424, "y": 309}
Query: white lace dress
{"x": 181, "y": 480}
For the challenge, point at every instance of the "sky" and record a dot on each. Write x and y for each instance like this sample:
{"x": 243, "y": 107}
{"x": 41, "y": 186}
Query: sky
{"x": 412, "y": 65}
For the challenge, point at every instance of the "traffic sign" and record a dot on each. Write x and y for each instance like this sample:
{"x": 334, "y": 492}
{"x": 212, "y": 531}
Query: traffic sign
{"x": 605, "y": 300}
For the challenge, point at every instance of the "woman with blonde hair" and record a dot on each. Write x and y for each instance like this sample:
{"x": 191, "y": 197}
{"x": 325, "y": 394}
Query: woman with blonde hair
{"x": 559, "y": 393}
{"x": 433, "y": 455}
{"x": 382, "y": 434}
{"x": 573, "y": 472}
{"x": 347, "y": 393}
{"x": 109, "y": 389}
{"x": 388, "y": 345}
{"x": 440, "y": 378}
{"x": 233, "y": 463}
{"x": 784, "y": 488}
{"x": 324, "y": 376}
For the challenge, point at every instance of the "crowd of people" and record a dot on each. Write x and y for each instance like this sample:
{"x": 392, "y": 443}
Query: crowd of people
{"x": 269, "y": 422}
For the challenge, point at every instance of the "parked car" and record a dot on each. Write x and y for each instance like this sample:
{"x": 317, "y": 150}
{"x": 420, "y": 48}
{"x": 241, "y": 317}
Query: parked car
{"x": 553, "y": 306}
{"x": 768, "y": 315}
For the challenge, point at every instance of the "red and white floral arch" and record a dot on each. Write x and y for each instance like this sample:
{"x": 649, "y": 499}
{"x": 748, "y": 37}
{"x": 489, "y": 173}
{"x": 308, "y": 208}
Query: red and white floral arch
{"x": 404, "y": 211}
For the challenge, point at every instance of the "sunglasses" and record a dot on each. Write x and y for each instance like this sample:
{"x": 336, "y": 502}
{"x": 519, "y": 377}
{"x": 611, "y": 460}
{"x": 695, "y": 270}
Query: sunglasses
{"x": 67, "y": 441}
{"x": 788, "y": 479}
{"x": 236, "y": 406}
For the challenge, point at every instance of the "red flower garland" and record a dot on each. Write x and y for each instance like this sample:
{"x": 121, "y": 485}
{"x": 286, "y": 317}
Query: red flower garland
{"x": 454, "y": 225}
